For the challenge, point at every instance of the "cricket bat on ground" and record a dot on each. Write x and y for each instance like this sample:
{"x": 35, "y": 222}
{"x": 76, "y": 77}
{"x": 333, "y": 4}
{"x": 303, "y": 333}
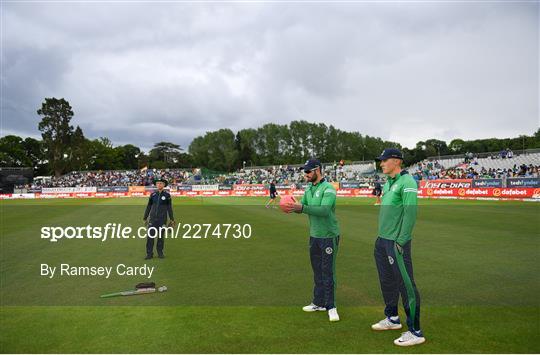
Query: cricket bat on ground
{"x": 139, "y": 291}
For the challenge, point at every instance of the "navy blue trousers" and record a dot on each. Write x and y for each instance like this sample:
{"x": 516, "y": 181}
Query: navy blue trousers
{"x": 160, "y": 239}
{"x": 322, "y": 252}
{"x": 396, "y": 277}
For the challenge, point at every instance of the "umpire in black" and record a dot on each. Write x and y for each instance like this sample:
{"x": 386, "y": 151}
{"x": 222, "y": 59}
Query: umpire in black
{"x": 155, "y": 215}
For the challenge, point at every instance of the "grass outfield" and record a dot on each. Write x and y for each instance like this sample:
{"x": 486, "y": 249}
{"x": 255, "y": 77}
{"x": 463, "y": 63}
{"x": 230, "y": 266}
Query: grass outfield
{"x": 476, "y": 266}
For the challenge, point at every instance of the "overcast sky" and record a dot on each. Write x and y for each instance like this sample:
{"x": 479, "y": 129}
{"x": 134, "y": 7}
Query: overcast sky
{"x": 146, "y": 72}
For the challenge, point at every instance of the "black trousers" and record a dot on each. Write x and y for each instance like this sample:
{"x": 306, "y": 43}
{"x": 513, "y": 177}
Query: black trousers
{"x": 158, "y": 234}
{"x": 396, "y": 277}
{"x": 322, "y": 252}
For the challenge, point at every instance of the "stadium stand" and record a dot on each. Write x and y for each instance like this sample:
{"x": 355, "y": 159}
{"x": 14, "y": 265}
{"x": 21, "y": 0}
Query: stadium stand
{"x": 485, "y": 165}
{"x": 283, "y": 174}
{"x": 355, "y": 171}
{"x": 468, "y": 166}
{"x": 143, "y": 177}
{"x": 532, "y": 159}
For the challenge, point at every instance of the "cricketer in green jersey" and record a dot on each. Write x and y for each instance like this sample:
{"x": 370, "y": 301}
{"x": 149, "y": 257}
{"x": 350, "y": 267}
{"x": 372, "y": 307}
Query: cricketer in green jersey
{"x": 397, "y": 217}
{"x": 319, "y": 203}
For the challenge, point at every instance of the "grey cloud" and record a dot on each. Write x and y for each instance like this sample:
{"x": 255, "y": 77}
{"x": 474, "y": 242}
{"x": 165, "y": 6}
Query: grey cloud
{"x": 402, "y": 71}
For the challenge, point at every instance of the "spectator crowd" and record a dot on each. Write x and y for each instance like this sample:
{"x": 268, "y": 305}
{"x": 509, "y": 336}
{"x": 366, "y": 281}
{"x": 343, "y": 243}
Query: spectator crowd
{"x": 466, "y": 167}
{"x": 434, "y": 171}
{"x": 282, "y": 174}
{"x": 144, "y": 177}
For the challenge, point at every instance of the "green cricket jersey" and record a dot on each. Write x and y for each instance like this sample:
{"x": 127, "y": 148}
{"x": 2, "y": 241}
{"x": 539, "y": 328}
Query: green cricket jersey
{"x": 319, "y": 203}
{"x": 398, "y": 208}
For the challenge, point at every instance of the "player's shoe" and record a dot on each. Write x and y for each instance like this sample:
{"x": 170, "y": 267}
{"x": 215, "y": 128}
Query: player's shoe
{"x": 388, "y": 323}
{"x": 410, "y": 338}
{"x": 148, "y": 257}
{"x": 333, "y": 316}
{"x": 161, "y": 256}
{"x": 313, "y": 308}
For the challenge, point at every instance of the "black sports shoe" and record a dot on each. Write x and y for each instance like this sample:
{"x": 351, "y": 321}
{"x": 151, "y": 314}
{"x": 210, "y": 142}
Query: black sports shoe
{"x": 161, "y": 256}
{"x": 148, "y": 257}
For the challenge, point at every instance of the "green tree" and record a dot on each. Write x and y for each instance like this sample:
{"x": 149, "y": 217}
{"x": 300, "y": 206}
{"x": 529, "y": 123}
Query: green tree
{"x": 269, "y": 143}
{"x": 456, "y": 146}
{"x": 332, "y": 152}
{"x": 301, "y": 148}
{"x": 186, "y": 160}
{"x": 102, "y": 155}
{"x": 245, "y": 146}
{"x": 78, "y": 151}
{"x": 166, "y": 152}
{"x": 198, "y": 149}
{"x": 128, "y": 155}
{"x": 56, "y": 132}
{"x": 436, "y": 147}
{"x": 143, "y": 160}
{"x": 215, "y": 150}
{"x": 12, "y": 152}
{"x": 222, "y": 153}
{"x": 318, "y": 135}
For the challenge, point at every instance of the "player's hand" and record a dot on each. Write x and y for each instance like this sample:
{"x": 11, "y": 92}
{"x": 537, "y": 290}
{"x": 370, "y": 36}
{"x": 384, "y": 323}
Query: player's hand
{"x": 297, "y": 208}
{"x": 289, "y": 207}
{"x": 145, "y": 221}
{"x": 293, "y": 207}
{"x": 172, "y": 223}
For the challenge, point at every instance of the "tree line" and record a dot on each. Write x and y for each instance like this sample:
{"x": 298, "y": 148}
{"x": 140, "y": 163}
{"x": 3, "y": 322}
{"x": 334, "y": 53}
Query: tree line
{"x": 274, "y": 144}
{"x": 65, "y": 148}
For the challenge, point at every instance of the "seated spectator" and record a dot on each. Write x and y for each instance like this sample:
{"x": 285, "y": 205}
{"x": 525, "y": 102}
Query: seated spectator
{"x": 509, "y": 153}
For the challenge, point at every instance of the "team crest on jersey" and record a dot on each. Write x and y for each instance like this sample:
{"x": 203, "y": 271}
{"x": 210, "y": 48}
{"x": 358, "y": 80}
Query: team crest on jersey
{"x": 390, "y": 260}
{"x": 163, "y": 198}
{"x": 329, "y": 250}
{"x": 317, "y": 194}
